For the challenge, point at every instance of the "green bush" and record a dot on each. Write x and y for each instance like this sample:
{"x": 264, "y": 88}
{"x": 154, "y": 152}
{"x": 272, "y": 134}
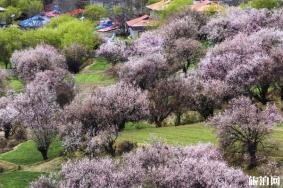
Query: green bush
{"x": 27, "y": 7}
{"x": 175, "y": 6}
{"x": 6, "y": 16}
{"x": 95, "y": 12}
{"x": 60, "y": 33}
{"x": 152, "y": 1}
{"x": 269, "y": 4}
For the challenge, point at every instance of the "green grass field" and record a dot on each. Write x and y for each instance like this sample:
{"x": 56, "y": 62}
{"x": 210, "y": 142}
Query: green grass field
{"x": 95, "y": 74}
{"x": 183, "y": 135}
{"x": 26, "y": 153}
{"x": 17, "y": 179}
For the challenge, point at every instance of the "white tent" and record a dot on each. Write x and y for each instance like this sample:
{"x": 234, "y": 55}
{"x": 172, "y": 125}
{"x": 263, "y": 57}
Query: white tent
{"x": 2, "y": 9}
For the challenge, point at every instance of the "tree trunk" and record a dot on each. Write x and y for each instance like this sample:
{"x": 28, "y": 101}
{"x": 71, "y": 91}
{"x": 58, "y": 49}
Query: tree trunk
{"x": 263, "y": 93}
{"x": 121, "y": 126}
{"x": 281, "y": 93}
{"x": 44, "y": 153}
{"x": 206, "y": 112}
{"x": 178, "y": 119}
{"x": 252, "y": 147}
{"x": 158, "y": 123}
{"x": 7, "y": 130}
{"x": 6, "y": 65}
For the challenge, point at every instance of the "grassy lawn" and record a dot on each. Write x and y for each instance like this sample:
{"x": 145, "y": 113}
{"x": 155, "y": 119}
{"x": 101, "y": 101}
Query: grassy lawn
{"x": 183, "y": 135}
{"x": 26, "y": 153}
{"x": 93, "y": 78}
{"x": 277, "y": 136}
{"x": 95, "y": 74}
{"x": 15, "y": 84}
{"x": 17, "y": 179}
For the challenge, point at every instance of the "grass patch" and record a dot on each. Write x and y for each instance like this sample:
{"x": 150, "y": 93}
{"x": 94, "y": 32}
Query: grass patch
{"x": 27, "y": 153}
{"x": 95, "y": 79}
{"x": 99, "y": 64}
{"x": 183, "y": 135}
{"x": 95, "y": 74}
{"x": 15, "y": 84}
{"x": 17, "y": 179}
{"x": 277, "y": 136}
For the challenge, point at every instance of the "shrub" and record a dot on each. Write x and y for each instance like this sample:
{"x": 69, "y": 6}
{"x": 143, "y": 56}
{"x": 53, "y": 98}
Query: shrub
{"x": 124, "y": 147}
{"x": 259, "y": 4}
{"x": 95, "y": 12}
{"x": 75, "y": 55}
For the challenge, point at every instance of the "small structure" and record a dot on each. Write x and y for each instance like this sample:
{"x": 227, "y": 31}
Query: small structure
{"x": 2, "y": 9}
{"x": 106, "y": 25}
{"x": 56, "y": 11}
{"x": 34, "y": 22}
{"x": 140, "y": 24}
{"x": 155, "y": 8}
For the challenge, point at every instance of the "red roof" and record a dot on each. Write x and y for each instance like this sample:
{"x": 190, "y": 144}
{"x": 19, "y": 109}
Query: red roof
{"x": 76, "y": 12}
{"x": 51, "y": 14}
{"x": 142, "y": 21}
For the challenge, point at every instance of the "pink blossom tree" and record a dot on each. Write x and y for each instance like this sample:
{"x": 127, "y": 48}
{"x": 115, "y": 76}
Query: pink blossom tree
{"x": 144, "y": 71}
{"x": 27, "y": 63}
{"x": 39, "y": 112}
{"x": 58, "y": 82}
{"x": 115, "y": 52}
{"x": 204, "y": 95}
{"x": 243, "y": 127}
{"x": 156, "y": 165}
{"x": 184, "y": 52}
{"x": 234, "y": 21}
{"x": 249, "y": 64}
{"x": 150, "y": 42}
{"x": 107, "y": 110}
{"x": 8, "y": 114}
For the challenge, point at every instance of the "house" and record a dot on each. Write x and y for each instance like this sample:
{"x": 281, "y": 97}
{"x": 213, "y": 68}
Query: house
{"x": 140, "y": 24}
{"x": 155, "y": 8}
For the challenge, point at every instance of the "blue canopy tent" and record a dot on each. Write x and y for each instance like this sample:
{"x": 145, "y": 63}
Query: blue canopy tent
{"x": 104, "y": 23}
{"x": 34, "y": 22}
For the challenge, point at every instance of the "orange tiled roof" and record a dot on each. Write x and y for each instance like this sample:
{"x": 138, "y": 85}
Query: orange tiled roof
{"x": 159, "y": 5}
{"x": 142, "y": 21}
{"x": 76, "y": 12}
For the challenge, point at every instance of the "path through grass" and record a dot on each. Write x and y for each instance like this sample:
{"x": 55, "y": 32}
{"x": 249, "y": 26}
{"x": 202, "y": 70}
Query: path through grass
{"x": 95, "y": 74}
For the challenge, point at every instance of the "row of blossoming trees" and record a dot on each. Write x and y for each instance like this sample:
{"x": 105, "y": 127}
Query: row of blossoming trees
{"x": 167, "y": 71}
